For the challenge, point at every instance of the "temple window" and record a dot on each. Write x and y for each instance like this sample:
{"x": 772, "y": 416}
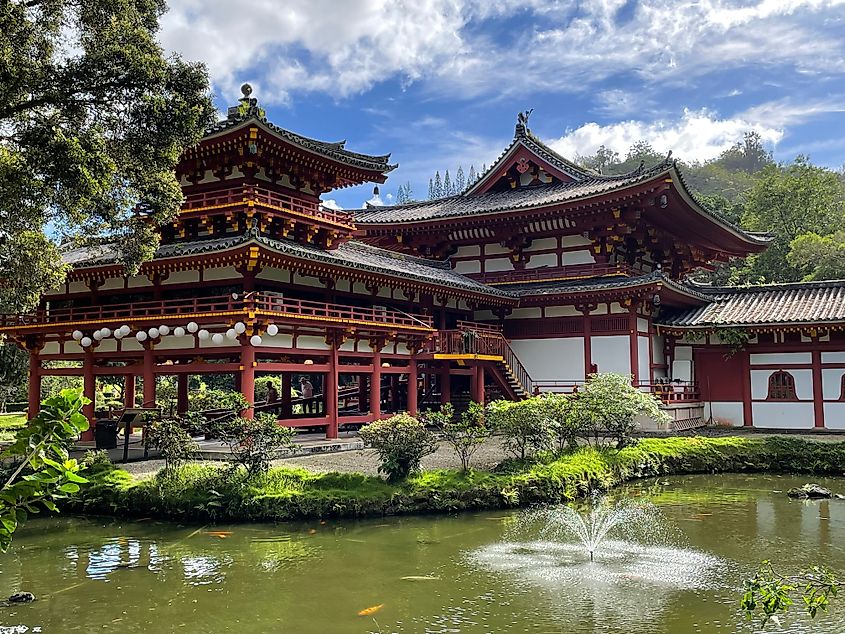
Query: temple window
{"x": 782, "y": 387}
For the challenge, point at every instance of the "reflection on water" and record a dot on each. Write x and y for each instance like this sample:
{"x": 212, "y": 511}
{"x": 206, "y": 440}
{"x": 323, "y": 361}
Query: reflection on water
{"x": 490, "y": 572}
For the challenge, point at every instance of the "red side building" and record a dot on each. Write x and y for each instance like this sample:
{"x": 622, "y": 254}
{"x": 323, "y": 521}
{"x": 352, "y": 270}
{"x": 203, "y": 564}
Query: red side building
{"x": 539, "y": 274}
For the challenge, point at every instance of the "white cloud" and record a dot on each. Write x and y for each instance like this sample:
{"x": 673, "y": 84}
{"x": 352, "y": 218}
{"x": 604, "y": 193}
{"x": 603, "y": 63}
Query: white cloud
{"x": 344, "y": 48}
{"x": 331, "y": 203}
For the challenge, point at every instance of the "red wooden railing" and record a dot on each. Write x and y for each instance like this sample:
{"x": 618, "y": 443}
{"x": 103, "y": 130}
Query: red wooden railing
{"x": 266, "y": 196}
{"x": 571, "y": 271}
{"x": 263, "y": 301}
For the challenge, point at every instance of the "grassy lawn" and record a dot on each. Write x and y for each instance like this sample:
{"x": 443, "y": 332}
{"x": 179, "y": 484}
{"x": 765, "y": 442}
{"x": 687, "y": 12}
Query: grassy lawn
{"x": 208, "y": 493}
{"x": 10, "y": 424}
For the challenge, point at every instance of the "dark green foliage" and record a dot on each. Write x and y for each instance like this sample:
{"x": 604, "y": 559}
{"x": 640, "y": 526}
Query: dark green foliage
{"x": 523, "y": 425}
{"x": 207, "y": 493}
{"x": 43, "y": 474}
{"x": 255, "y": 442}
{"x": 465, "y": 435}
{"x": 401, "y": 442}
{"x": 168, "y": 436}
{"x": 93, "y": 119}
{"x": 769, "y": 592}
{"x": 14, "y": 370}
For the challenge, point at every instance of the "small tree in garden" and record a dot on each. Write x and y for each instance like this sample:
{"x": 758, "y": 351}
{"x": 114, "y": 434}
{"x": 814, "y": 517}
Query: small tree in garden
{"x": 465, "y": 435}
{"x": 558, "y": 409}
{"x": 168, "y": 436}
{"x": 608, "y": 405}
{"x": 43, "y": 473}
{"x": 524, "y": 424}
{"x": 401, "y": 443}
{"x": 254, "y": 442}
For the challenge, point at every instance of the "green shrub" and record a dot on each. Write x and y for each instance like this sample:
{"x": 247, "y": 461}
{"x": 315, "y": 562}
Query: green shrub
{"x": 608, "y": 405}
{"x": 211, "y": 399}
{"x": 262, "y": 386}
{"x": 254, "y": 442}
{"x": 559, "y": 410}
{"x": 96, "y": 460}
{"x": 401, "y": 442}
{"x": 524, "y": 425}
{"x": 465, "y": 435}
{"x": 169, "y": 437}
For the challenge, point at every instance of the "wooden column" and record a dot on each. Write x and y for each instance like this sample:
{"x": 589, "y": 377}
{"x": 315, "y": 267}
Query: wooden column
{"x": 129, "y": 391}
{"x": 247, "y": 374}
{"x": 149, "y": 376}
{"x": 635, "y": 347}
{"x": 287, "y": 387}
{"x": 477, "y": 384}
{"x": 89, "y": 391}
{"x": 818, "y": 391}
{"x": 445, "y": 383}
{"x": 182, "y": 393}
{"x": 413, "y": 386}
{"x": 375, "y": 385}
{"x": 34, "y": 383}
{"x": 331, "y": 393}
{"x": 747, "y": 410}
{"x": 588, "y": 345}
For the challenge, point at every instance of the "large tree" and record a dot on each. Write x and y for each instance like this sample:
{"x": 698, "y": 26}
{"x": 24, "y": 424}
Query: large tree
{"x": 93, "y": 119}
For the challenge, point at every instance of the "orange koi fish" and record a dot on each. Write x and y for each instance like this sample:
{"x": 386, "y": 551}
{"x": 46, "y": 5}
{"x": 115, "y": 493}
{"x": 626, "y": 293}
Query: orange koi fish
{"x": 219, "y": 534}
{"x": 371, "y": 610}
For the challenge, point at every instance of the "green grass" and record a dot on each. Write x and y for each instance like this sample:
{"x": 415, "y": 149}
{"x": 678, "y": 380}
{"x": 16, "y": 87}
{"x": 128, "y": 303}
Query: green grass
{"x": 10, "y": 424}
{"x": 209, "y": 493}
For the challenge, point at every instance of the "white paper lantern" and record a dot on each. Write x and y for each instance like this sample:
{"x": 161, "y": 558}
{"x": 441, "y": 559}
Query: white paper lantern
{"x": 192, "y": 327}
{"x": 141, "y": 336}
{"x": 178, "y": 331}
{"x": 240, "y": 328}
{"x": 272, "y": 330}
{"x": 235, "y": 296}
{"x": 98, "y": 335}
{"x": 203, "y": 334}
{"x": 164, "y": 330}
{"x": 125, "y": 330}
{"x": 217, "y": 338}
{"x": 77, "y": 335}
{"x": 255, "y": 340}
{"x": 118, "y": 334}
{"x": 105, "y": 332}
{"x": 153, "y": 333}
{"x": 85, "y": 342}
{"x": 231, "y": 334}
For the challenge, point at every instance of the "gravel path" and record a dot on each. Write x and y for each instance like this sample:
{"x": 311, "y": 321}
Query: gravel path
{"x": 489, "y": 455}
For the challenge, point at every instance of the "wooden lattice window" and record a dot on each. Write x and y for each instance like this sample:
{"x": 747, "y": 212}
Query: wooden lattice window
{"x": 782, "y": 387}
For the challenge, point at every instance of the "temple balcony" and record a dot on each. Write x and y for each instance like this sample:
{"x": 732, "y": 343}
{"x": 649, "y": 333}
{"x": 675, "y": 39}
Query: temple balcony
{"x": 549, "y": 273}
{"x": 263, "y": 306}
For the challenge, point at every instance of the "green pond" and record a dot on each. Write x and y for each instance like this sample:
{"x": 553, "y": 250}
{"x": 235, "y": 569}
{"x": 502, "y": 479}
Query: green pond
{"x": 481, "y": 572}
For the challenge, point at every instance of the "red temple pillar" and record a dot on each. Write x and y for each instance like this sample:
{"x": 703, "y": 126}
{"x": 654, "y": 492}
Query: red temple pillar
{"x": 413, "y": 386}
{"x": 182, "y": 393}
{"x": 635, "y": 347}
{"x": 247, "y": 375}
{"x": 129, "y": 391}
{"x": 477, "y": 384}
{"x": 331, "y": 394}
{"x": 445, "y": 383}
{"x": 34, "y": 383}
{"x": 375, "y": 385}
{"x": 89, "y": 390}
{"x": 588, "y": 345}
{"x": 818, "y": 392}
{"x": 149, "y": 376}
{"x": 287, "y": 407}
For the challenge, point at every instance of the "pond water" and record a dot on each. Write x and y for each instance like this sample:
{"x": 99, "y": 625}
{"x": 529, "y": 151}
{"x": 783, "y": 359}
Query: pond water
{"x": 484, "y": 572}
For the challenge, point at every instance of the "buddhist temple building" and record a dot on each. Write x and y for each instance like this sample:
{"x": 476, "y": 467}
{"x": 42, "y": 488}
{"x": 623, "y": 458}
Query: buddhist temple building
{"x": 538, "y": 275}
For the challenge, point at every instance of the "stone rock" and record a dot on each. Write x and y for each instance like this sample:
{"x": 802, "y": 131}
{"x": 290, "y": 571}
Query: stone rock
{"x": 22, "y": 597}
{"x": 810, "y": 491}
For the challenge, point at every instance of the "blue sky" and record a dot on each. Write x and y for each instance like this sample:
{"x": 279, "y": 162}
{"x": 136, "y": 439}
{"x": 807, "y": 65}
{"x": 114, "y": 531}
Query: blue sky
{"x": 439, "y": 82}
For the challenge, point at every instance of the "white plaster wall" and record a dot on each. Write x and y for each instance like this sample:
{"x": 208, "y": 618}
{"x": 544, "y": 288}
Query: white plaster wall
{"x": 483, "y": 315}
{"x": 833, "y": 357}
{"x": 657, "y": 342}
{"x": 402, "y": 348}
{"x": 112, "y": 283}
{"x": 51, "y": 347}
{"x": 642, "y": 324}
{"x": 274, "y": 274}
{"x": 348, "y": 346}
{"x": 495, "y": 249}
{"x": 642, "y": 358}
{"x": 728, "y": 411}
{"x": 781, "y": 358}
{"x": 578, "y": 257}
{"x": 176, "y": 343}
{"x": 384, "y": 292}
{"x": 562, "y": 311}
{"x": 612, "y": 353}
{"x": 803, "y": 383}
{"x": 783, "y": 415}
{"x": 360, "y": 288}
{"x": 182, "y": 277}
{"x": 544, "y": 259}
{"x": 468, "y": 251}
{"x": 221, "y": 273}
{"x": 279, "y": 341}
{"x": 683, "y": 352}
{"x": 543, "y": 243}
{"x": 80, "y": 287}
{"x": 307, "y": 280}
{"x": 832, "y": 383}
{"x": 616, "y": 308}
{"x": 106, "y": 346}
{"x": 834, "y": 415}
{"x": 469, "y": 266}
{"x": 552, "y": 359}
{"x": 575, "y": 241}
{"x": 130, "y": 344}
{"x": 72, "y": 347}
{"x": 311, "y": 343}
{"x": 498, "y": 264}
{"x": 682, "y": 369}
{"x": 522, "y": 313}
{"x": 139, "y": 281}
